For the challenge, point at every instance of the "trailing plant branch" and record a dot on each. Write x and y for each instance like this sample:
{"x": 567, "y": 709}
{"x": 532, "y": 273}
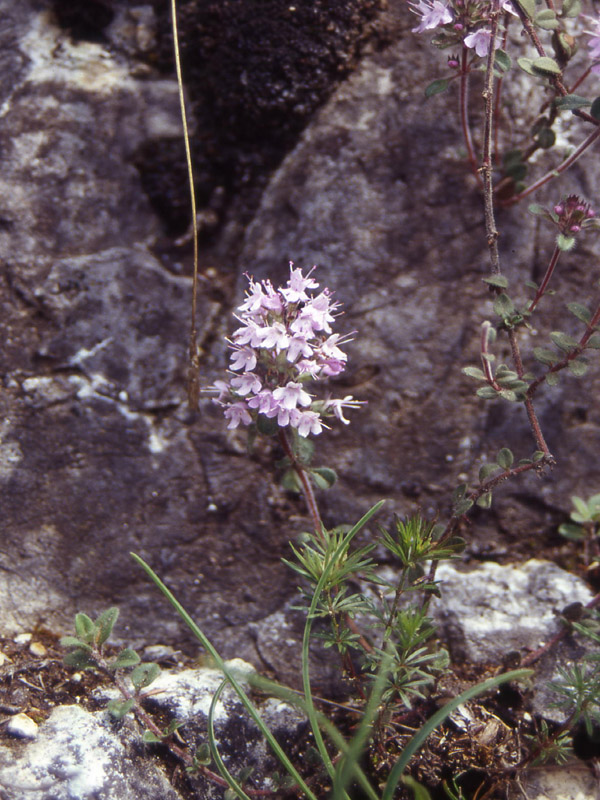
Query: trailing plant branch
{"x": 590, "y": 330}
{"x": 554, "y": 173}
{"x": 546, "y": 280}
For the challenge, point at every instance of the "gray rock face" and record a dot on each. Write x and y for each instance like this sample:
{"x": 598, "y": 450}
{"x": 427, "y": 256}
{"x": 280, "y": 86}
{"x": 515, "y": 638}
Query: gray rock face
{"x": 77, "y": 756}
{"x": 491, "y": 610}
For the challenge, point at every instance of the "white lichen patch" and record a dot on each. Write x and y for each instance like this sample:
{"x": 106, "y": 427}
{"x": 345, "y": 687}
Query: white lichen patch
{"x": 54, "y": 57}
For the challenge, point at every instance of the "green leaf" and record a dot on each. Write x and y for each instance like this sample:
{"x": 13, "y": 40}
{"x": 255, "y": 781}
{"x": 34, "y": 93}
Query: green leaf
{"x": 73, "y": 641}
{"x": 324, "y": 477}
{"x": 148, "y": 737}
{"x": 526, "y": 65}
{"x": 419, "y": 792}
{"x": 474, "y": 372}
{"x": 545, "y": 65}
{"x": 552, "y": 378}
{"x": 462, "y": 507}
{"x": 105, "y": 623}
{"x": 571, "y": 8}
{"x": 144, "y": 674}
{"x": 202, "y": 754}
{"x": 486, "y": 470}
{"x": 547, "y": 357}
{"x": 546, "y": 138}
{"x": 581, "y": 506}
{"x": 502, "y": 60}
{"x": 126, "y": 658}
{"x": 594, "y": 341}
{"x": 291, "y": 481}
{"x": 436, "y": 87}
{"x": 485, "y": 500}
{"x": 496, "y": 280}
{"x": 573, "y": 532}
{"x": 565, "y": 243}
{"x": 267, "y": 426}
{"x": 80, "y": 659}
{"x": 581, "y": 312}
{"x": 595, "y": 109}
{"x": 578, "y": 368}
{"x": 546, "y": 20}
{"x": 487, "y": 393}
{"x": 505, "y": 458}
{"x": 503, "y": 306}
{"x": 118, "y": 708}
{"x": 84, "y": 627}
{"x": 563, "y": 341}
{"x": 528, "y": 7}
{"x": 459, "y": 492}
{"x": 571, "y": 101}
{"x": 303, "y": 449}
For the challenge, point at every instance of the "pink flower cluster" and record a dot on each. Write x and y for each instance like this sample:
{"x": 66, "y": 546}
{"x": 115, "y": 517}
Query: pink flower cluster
{"x": 460, "y": 20}
{"x": 284, "y": 342}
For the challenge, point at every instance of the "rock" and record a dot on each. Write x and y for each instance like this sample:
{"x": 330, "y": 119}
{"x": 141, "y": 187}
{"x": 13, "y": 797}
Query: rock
{"x": 37, "y": 649}
{"x": 486, "y": 612}
{"x": 22, "y": 727}
{"x": 565, "y": 783}
{"x": 78, "y": 755}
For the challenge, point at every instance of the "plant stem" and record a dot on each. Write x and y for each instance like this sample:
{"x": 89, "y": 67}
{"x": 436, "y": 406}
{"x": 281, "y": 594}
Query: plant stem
{"x": 571, "y": 356}
{"x": 486, "y": 165}
{"x": 464, "y": 112}
{"x": 554, "y": 173}
{"x": 540, "y": 292}
{"x": 309, "y": 495}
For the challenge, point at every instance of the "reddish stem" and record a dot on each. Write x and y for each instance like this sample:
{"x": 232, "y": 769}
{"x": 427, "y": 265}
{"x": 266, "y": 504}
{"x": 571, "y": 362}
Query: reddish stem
{"x": 307, "y": 489}
{"x": 540, "y": 292}
{"x": 568, "y": 162}
{"x": 464, "y": 113}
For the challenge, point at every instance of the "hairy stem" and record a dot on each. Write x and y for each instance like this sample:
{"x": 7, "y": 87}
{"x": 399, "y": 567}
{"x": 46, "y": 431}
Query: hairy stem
{"x": 309, "y": 495}
{"x": 544, "y": 284}
{"x": 554, "y": 173}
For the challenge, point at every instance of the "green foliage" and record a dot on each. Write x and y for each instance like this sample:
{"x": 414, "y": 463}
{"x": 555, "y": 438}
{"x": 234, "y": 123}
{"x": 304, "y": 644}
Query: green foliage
{"x": 578, "y": 693}
{"x": 436, "y": 87}
{"x": 548, "y": 747}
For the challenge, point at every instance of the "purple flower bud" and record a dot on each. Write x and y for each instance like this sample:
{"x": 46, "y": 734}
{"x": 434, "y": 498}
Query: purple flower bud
{"x": 575, "y": 228}
{"x": 560, "y": 210}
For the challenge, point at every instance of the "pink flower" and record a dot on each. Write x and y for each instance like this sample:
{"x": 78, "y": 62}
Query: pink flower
{"x": 244, "y": 358}
{"x": 306, "y": 422}
{"x": 274, "y": 335}
{"x": 291, "y": 395}
{"x": 263, "y": 402}
{"x": 479, "y": 41}
{"x": 297, "y": 286}
{"x": 237, "y": 414}
{"x": 337, "y": 406}
{"x": 246, "y": 383}
{"x": 433, "y": 14}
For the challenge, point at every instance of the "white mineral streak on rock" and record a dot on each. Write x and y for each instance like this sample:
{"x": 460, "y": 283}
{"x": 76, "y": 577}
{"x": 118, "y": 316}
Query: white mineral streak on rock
{"x": 55, "y": 58}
